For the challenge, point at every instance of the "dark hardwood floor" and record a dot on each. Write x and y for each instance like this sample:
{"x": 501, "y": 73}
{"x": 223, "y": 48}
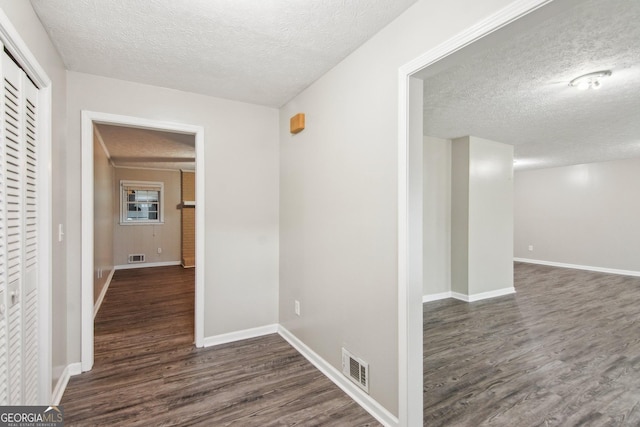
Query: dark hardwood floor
{"x": 148, "y": 373}
{"x": 563, "y": 351}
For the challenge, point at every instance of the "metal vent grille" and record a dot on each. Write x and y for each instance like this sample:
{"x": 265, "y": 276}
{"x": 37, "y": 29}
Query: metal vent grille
{"x": 356, "y": 369}
{"x": 134, "y": 258}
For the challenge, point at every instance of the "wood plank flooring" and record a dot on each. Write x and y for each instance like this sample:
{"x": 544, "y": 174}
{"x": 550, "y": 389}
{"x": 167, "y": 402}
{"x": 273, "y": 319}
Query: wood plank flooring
{"x": 563, "y": 351}
{"x": 148, "y": 373}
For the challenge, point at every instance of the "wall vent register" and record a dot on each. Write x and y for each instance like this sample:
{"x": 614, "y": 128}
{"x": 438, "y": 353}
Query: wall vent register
{"x": 356, "y": 369}
{"x": 136, "y": 258}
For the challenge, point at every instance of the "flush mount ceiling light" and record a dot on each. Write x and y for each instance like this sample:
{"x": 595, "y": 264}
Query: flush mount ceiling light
{"x": 589, "y": 81}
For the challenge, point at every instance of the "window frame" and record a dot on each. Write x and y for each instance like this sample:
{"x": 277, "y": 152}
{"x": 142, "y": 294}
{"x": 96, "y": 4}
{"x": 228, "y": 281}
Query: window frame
{"x": 125, "y": 186}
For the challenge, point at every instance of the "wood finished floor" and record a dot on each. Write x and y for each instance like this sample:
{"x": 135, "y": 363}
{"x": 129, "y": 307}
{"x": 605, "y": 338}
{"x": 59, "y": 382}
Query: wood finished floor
{"x": 563, "y": 351}
{"x": 148, "y": 373}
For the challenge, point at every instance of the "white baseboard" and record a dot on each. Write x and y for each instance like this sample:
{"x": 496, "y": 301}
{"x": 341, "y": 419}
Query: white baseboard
{"x": 468, "y": 298}
{"x": 69, "y": 371}
{"x": 483, "y": 295}
{"x": 147, "y": 264}
{"x": 580, "y": 267}
{"x": 459, "y": 296}
{"x": 369, "y": 404}
{"x": 103, "y": 292}
{"x": 436, "y": 297}
{"x": 240, "y": 335}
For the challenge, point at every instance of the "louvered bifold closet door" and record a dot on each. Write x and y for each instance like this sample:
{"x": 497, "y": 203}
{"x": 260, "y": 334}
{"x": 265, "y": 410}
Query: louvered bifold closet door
{"x": 30, "y": 272}
{"x": 4, "y": 343}
{"x": 12, "y": 127}
{"x": 19, "y": 362}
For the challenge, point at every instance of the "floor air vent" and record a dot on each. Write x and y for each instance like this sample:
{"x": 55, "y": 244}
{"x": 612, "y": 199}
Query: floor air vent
{"x": 356, "y": 369}
{"x": 134, "y": 258}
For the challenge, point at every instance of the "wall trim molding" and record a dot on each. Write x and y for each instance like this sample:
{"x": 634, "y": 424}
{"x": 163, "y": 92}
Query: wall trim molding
{"x": 240, "y": 335}
{"x": 437, "y": 297}
{"x": 361, "y": 398}
{"x": 468, "y": 298}
{"x": 104, "y": 147}
{"x": 148, "y": 169}
{"x": 69, "y": 371}
{"x": 580, "y": 267}
{"x": 98, "y": 303}
{"x": 484, "y": 295}
{"x": 146, "y": 265}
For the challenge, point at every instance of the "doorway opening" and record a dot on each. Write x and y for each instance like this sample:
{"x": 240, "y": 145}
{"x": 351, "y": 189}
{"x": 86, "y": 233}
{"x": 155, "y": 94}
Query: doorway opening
{"x": 91, "y": 121}
{"x": 410, "y": 202}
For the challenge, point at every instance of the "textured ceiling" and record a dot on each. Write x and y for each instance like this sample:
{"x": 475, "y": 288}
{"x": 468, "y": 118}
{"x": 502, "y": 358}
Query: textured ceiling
{"x": 259, "y": 51}
{"x": 133, "y": 147}
{"x": 514, "y": 87}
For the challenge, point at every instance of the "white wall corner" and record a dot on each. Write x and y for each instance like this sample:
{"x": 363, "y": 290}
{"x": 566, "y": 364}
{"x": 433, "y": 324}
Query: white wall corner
{"x": 69, "y": 371}
{"x": 437, "y": 297}
{"x": 483, "y": 295}
{"x": 360, "y": 397}
{"x": 240, "y": 335}
{"x": 105, "y": 287}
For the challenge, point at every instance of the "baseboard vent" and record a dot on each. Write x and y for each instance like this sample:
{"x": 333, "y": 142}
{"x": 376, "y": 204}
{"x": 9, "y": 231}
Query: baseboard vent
{"x": 135, "y": 258}
{"x": 356, "y": 369}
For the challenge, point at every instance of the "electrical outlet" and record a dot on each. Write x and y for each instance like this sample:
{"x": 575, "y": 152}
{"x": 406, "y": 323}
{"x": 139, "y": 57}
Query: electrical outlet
{"x": 296, "y": 307}
{"x": 530, "y": 248}
{"x": 159, "y": 250}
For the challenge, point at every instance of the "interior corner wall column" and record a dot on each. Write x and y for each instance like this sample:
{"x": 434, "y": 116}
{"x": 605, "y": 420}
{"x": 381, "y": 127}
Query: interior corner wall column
{"x": 481, "y": 216}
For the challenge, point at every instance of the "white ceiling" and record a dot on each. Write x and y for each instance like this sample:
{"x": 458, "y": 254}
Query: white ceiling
{"x": 259, "y": 51}
{"x": 144, "y": 148}
{"x": 513, "y": 87}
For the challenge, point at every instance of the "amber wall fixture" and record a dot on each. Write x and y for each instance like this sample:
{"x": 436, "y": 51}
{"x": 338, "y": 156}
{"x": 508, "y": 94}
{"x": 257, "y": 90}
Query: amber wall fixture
{"x": 296, "y": 124}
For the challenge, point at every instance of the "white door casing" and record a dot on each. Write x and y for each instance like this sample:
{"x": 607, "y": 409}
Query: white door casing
{"x": 89, "y": 118}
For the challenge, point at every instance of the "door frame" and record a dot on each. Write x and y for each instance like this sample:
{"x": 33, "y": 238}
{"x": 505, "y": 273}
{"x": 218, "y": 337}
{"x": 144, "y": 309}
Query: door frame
{"x": 87, "y": 121}
{"x": 410, "y": 366}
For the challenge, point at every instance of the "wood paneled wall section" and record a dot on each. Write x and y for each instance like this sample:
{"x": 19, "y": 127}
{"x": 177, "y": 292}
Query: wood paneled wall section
{"x": 188, "y": 189}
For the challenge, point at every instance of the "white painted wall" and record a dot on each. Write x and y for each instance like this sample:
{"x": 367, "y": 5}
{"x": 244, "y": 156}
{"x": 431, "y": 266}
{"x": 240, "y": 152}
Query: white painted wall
{"x": 437, "y": 216}
{"x": 586, "y": 215}
{"x": 241, "y": 186}
{"x": 28, "y": 25}
{"x": 338, "y": 195}
{"x": 103, "y": 205}
{"x": 460, "y": 164}
{"x": 146, "y": 239}
{"x": 482, "y": 212}
{"x": 490, "y": 216}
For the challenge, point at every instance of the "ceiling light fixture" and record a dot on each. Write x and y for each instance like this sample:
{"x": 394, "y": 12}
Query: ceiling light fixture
{"x": 589, "y": 81}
